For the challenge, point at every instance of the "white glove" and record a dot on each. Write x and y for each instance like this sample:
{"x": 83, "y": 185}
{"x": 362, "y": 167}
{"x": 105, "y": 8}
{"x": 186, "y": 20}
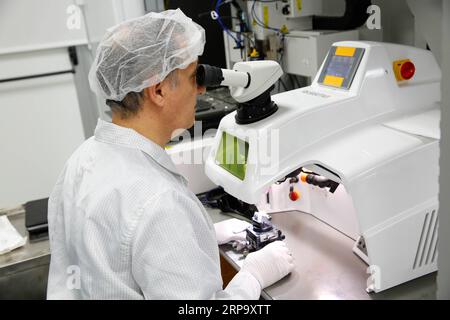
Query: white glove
{"x": 230, "y": 230}
{"x": 270, "y": 264}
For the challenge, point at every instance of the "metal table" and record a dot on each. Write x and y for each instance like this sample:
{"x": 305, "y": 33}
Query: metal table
{"x": 24, "y": 271}
{"x": 325, "y": 265}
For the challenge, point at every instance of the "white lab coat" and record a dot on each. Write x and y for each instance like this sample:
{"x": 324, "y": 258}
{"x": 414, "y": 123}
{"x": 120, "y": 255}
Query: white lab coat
{"x": 124, "y": 225}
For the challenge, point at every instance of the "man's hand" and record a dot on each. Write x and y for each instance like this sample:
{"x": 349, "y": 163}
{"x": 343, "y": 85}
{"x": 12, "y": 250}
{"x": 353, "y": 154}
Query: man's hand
{"x": 230, "y": 230}
{"x": 269, "y": 264}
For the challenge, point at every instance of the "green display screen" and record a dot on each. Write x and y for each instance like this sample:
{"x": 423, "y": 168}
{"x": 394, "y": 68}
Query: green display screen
{"x": 232, "y": 155}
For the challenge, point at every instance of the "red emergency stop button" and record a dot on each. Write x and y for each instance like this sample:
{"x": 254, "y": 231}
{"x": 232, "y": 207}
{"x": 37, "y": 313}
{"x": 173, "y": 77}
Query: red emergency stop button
{"x": 404, "y": 69}
{"x": 294, "y": 195}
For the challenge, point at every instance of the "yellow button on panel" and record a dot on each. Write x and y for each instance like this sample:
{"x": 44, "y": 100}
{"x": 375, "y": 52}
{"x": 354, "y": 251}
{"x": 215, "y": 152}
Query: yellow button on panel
{"x": 345, "y": 51}
{"x": 333, "y": 81}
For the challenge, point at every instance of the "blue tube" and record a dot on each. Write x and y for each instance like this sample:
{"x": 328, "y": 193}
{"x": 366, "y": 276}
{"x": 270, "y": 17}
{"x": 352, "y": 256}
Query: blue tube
{"x": 219, "y": 19}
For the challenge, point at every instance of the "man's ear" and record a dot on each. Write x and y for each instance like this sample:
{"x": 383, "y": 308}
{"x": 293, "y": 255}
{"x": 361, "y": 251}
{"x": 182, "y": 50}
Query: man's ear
{"x": 157, "y": 94}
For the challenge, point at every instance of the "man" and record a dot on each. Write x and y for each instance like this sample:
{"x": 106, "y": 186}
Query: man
{"x": 122, "y": 222}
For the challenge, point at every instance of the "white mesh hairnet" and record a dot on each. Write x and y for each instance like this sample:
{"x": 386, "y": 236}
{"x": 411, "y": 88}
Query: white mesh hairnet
{"x": 141, "y": 52}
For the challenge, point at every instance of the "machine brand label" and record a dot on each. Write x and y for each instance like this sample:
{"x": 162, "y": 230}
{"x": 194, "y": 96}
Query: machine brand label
{"x": 316, "y": 94}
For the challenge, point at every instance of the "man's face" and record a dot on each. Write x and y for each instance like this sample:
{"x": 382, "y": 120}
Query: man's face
{"x": 183, "y": 98}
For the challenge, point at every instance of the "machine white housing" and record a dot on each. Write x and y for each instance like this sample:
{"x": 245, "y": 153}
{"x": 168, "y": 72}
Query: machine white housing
{"x": 379, "y": 138}
{"x": 263, "y": 74}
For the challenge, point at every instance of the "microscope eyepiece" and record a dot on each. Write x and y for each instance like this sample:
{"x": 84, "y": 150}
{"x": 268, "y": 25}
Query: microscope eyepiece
{"x": 209, "y": 76}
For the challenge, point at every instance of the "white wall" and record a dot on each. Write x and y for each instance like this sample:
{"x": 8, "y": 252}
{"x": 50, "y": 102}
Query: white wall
{"x": 40, "y": 127}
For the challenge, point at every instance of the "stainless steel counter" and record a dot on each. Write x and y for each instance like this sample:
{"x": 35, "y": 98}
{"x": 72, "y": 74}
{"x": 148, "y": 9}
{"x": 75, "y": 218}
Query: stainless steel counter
{"x": 326, "y": 267}
{"x": 24, "y": 271}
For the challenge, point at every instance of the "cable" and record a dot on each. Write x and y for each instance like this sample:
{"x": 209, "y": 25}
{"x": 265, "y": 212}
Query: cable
{"x": 243, "y": 25}
{"x": 281, "y": 50}
{"x": 215, "y": 15}
{"x": 297, "y": 81}
{"x": 291, "y": 80}
{"x": 222, "y": 25}
{"x": 252, "y": 42}
{"x": 283, "y": 84}
{"x": 256, "y": 19}
{"x": 208, "y": 13}
{"x": 259, "y": 22}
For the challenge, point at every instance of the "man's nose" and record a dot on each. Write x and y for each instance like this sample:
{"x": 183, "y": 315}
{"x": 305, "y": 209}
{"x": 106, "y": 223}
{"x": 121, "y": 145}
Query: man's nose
{"x": 201, "y": 90}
